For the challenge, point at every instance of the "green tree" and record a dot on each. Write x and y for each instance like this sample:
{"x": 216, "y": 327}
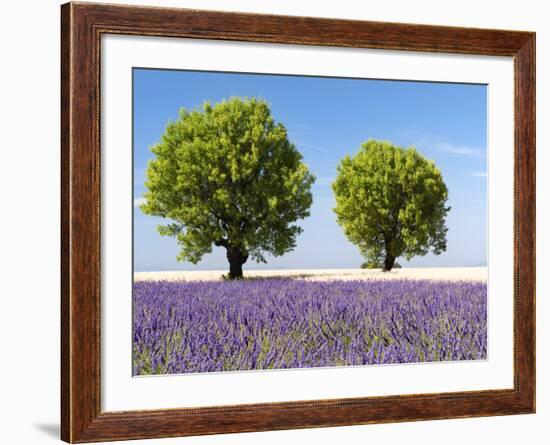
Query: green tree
{"x": 227, "y": 175}
{"x": 390, "y": 202}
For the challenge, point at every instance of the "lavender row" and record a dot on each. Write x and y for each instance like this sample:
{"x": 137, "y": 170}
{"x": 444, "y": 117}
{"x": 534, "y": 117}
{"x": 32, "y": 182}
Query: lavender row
{"x": 183, "y": 327}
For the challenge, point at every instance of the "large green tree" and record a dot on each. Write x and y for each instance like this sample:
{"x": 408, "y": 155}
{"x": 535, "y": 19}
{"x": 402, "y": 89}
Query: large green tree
{"x": 391, "y": 202}
{"x": 227, "y": 175}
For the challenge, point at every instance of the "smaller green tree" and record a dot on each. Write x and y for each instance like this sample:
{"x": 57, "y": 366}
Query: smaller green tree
{"x": 390, "y": 202}
{"x": 227, "y": 175}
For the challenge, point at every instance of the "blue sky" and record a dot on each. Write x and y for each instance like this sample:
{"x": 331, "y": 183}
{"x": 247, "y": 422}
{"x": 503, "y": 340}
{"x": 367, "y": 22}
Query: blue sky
{"x": 326, "y": 119}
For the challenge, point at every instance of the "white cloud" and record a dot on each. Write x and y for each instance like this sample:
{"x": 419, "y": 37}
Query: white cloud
{"x": 460, "y": 150}
{"x": 139, "y": 201}
{"x": 324, "y": 180}
{"x": 312, "y": 147}
{"x": 453, "y": 149}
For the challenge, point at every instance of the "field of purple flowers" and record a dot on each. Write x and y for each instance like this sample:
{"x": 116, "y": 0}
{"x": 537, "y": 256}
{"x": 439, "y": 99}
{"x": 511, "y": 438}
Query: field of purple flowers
{"x": 183, "y": 327}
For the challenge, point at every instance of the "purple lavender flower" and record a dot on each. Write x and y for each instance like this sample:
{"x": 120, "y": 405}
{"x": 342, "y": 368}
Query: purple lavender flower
{"x": 183, "y": 327}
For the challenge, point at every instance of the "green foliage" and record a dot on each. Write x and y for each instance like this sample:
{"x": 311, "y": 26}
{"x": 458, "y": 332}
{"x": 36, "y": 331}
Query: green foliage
{"x": 227, "y": 175}
{"x": 379, "y": 265}
{"x": 390, "y": 202}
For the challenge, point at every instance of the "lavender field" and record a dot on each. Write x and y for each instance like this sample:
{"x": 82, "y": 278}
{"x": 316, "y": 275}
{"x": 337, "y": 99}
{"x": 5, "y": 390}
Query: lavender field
{"x": 189, "y": 327}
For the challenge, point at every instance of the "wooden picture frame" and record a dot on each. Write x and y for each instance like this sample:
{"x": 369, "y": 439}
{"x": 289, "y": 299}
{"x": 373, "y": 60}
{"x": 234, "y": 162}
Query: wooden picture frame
{"x": 82, "y": 25}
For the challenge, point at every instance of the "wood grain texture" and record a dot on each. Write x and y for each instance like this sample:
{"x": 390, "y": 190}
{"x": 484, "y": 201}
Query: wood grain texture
{"x": 81, "y": 28}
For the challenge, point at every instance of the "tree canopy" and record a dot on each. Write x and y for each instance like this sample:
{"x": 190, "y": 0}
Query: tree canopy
{"x": 391, "y": 202}
{"x": 227, "y": 175}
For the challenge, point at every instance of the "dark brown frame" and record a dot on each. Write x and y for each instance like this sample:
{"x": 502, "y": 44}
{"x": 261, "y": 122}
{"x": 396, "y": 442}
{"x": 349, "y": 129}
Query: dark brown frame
{"x": 82, "y": 25}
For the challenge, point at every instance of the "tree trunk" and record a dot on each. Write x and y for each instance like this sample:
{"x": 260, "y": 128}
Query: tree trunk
{"x": 389, "y": 261}
{"x": 235, "y": 270}
{"x": 236, "y": 259}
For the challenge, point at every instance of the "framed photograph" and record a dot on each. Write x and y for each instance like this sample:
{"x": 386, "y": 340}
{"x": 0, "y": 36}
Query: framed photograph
{"x": 274, "y": 222}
